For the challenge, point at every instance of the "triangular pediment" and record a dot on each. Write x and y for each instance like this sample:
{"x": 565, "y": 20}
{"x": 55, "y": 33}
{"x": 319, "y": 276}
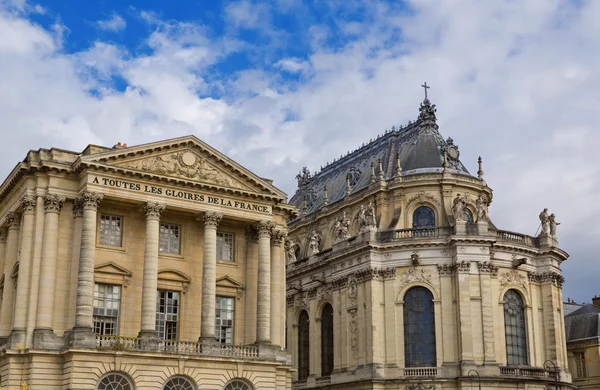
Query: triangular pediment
{"x": 227, "y": 281}
{"x": 112, "y": 269}
{"x": 186, "y": 158}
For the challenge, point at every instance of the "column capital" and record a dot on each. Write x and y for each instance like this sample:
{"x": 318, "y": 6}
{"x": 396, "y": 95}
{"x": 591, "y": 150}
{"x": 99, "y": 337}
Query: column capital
{"x": 90, "y": 200}
{"x": 264, "y": 228}
{"x": 3, "y": 234}
{"x": 53, "y": 203}
{"x": 277, "y": 236}
{"x": 28, "y": 203}
{"x": 211, "y": 218}
{"x": 77, "y": 207}
{"x": 14, "y": 220}
{"x": 154, "y": 209}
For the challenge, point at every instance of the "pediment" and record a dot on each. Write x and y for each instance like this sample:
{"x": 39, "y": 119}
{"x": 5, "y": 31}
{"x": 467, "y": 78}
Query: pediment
{"x": 186, "y": 158}
{"x": 173, "y": 275}
{"x": 228, "y": 282}
{"x": 112, "y": 269}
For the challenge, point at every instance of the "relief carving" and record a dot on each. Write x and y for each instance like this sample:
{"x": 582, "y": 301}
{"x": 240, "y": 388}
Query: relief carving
{"x": 487, "y": 267}
{"x": 352, "y": 291}
{"x": 353, "y": 332}
{"x": 446, "y": 269}
{"x": 513, "y": 278}
{"x": 422, "y": 197}
{"x": 463, "y": 266}
{"x": 414, "y": 275}
{"x": 546, "y": 277}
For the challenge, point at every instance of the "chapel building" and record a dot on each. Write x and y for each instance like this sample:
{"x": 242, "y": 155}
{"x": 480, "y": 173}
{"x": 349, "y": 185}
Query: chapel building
{"x": 397, "y": 278}
{"x": 158, "y": 266}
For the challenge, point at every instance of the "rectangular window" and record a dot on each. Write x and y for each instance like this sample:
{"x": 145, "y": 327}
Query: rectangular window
{"x": 224, "y": 320}
{"x": 110, "y": 230}
{"x": 167, "y": 314}
{"x": 224, "y": 246}
{"x": 169, "y": 238}
{"x": 107, "y": 300}
{"x": 580, "y": 365}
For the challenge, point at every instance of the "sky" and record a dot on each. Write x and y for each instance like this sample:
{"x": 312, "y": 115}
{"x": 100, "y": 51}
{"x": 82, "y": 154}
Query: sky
{"x": 281, "y": 84}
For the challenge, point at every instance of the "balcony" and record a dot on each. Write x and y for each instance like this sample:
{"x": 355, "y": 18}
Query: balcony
{"x": 517, "y": 238}
{"x": 528, "y": 372}
{"x": 420, "y": 371}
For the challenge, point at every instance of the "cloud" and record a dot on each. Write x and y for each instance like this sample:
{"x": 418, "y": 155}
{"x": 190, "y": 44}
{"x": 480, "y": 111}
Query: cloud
{"x": 513, "y": 82}
{"x": 114, "y": 24}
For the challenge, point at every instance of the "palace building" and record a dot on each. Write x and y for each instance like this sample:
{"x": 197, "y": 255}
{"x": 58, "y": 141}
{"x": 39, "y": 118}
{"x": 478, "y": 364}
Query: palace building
{"x": 158, "y": 266}
{"x": 397, "y": 278}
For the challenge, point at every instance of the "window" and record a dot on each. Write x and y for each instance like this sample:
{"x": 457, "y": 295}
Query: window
{"x": 423, "y": 217}
{"x": 167, "y": 314}
{"x": 179, "y": 383}
{"x": 110, "y": 230}
{"x": 580, "y": 370}
{"x": 169, "y": 238}
{"x": 327, "y": 340}
{"x": 419, "y": 328}
{"x": 514, "y": 329}
{"x": 238, "y": 384}
{"x": 303, "y": 346}
{"x": 107, "y": 300}
{"x": 224, "y": 320}
{"x": 114, "y": 381}
{"x": 224, "y": 246}
{"x": 468, "y": 216}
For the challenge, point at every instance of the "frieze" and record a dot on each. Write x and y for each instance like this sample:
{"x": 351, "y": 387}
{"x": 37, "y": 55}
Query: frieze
{"x": 371, "y": 273}
{"x": 546, "y": 277}
{"x": 513, "y": 277}
{"x": 415, "y": 274}
{"x": 487, "y": 267}
{"x": 339, "y": 282}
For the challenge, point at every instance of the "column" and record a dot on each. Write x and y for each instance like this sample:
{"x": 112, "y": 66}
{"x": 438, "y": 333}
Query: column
{"x": 463, "y": 282}
{"x": 209, "y": 275}
{"x": 150, "y": 282}
{"x": 44, "y": 320}
{"x": 11, "y": 255}
{"x": 3, "y": 233}
{"x": 17, "y": 339}
{"x": 263, "y": 311}
{"x": 75, "y": 250}
{"x": 84, "y": 310}
{"x": 277, "y": 278}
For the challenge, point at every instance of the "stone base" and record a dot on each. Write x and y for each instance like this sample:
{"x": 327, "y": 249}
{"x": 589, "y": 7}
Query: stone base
{"x": 17, "y": 339}
{"x": 482, "y": 228}
{"x": 460, "y": 228}
{"x": 466, "y": 366}
{"x": 548, "y": 241}
{"x": 147, "y": 334}
{"x": 82, "y": 338}
{"x": 46, "y": 339}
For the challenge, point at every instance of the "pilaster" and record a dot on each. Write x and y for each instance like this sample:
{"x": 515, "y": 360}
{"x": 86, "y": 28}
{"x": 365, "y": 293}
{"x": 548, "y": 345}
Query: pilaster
{"x": 277, "y": 279}
{"x": 263, "y": 311}
{"x": 209, "y": 276}
{"x": 12, "y": 253}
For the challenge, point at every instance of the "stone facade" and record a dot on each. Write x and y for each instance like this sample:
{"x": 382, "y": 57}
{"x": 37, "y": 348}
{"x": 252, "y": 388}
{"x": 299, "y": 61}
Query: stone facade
{"x": 459, "y": 257}
{"x": 174, "y": 219}
{"x": 583, "y": 344}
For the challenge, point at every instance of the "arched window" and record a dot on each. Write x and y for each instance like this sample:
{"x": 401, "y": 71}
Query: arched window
{"x": 179, "y": 383}
{"x": 114, "y": 381}
{"x": 419, "y": 328}
{"x": 327, "y": 340}
{"x": 423, "y": 217}
{"x": 238, "y": 384}
{"x": 469, "y": 216}
{"x": 303, "y": 346}
{"x": 514, "y": 329}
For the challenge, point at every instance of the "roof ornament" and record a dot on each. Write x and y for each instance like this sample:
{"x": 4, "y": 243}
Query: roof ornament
{"x": 372, "y": 172}
{"x": 380, "y": 170}
{"x": 445, "y": 164}
{"x": 348, "y": 188}
{"x": 398, "y": 167}
{"x": 427, "y": 114}
{"x": 425, "y": 87}
{"x": 303, "y": 177}
{"x": 480, "y": 171}
{"x": 325, "y": 195}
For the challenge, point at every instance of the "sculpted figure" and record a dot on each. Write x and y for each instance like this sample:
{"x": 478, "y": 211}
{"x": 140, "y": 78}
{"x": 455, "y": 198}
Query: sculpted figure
{"x": 370, "y": 215}
{"x": 342, "y": 227}
{"x": 314, "y": 243}
{"x": 482, "y": 208}
{"x": 545, "y": 222}
{"x": 458, "y": 208}
{"x": 553, "y": 224}
{"x": 290, "y": 249}
{"x": 362, "y": 218}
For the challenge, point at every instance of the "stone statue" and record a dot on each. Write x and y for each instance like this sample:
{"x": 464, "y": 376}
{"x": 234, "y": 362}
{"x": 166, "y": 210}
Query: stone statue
{"x": 362, "y": 218}
{"x": 553, "y": 224}
{"x": 290, "y": 249}
{"x": 314, "y": 244}
{"x": 342, "y": 227}
{"x": 458, "y": 208}
{"x": 482, "y": 208}
{"x": 370, "y": 216}
{"x": 545, "y": 222}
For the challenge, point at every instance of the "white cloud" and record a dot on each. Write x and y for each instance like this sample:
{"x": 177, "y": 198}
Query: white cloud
{"x": 514, "y": 82}
{"x": 114, "y": 24}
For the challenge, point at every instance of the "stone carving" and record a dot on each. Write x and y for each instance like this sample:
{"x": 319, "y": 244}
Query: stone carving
{"x": 423, "y": 197}
{"x": 352, "y": 291}
{"x": 487, "y": 267}
{"x": 211, "y": 218}
{"x": 289, "y": 300}
{"x": 545, "y": 220}
{"x": 353, "y": 332}
{"x": 446, "y": 269}
{"x": 342, "y": 228}
{"x": 419, "y": 386}
{"x": 90, "y": 200}
{"x": 324, "y": 293}
{"x": 154, "y": 209}
{"x": 312, "y": 293}
{"x": 481, "y": 204}
{"x": 427, "y": 118}
{"x": 184, "y": 164}
{"x": 339, "y": 282}
{"x": 277, "y": 236}
{"x": 28, "y": 203}
{"x": 77, "y": 207}
{"x": 513, "y": 277}
{"x": 458, "y": 208}
{"x": 546, "y": 277}
{"x": 53, "y": 203}
{"x": 3, "y": 234}
{"x": 264, "y": 228}
{"x": 366, "y": 218}
{"x": 371, "y": 273}
{"x": 463, "y": 266}
{"x": 13, "y": 220}
{"x": 303, "y": 177}
{"x": 314, "y": 244}
{"x": 415, "y": 275}
{"x": 553, "y": 224}
{"x": 301, "y": 301}
{"x": 290, "y": 250}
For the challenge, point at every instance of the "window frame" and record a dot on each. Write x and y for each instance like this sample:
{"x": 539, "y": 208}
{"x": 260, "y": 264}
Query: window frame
{"x": 303, "y": 346}
{"x": 220, "y": 326}
{"x": 187, "y": 380}
{"x": 219, "y": 259}
{"x": 121, "y": 237}
{"x": 118, "y": 316}
{"x": 580, "y": 366}
{"x": 180, "y": 239}
{"x": 408, "y": 336}
{"x": 413, "y": 215}
{"x": 165, "y": 313}
{"x": 522, "y": 339}
{"x": 327, "y": 341}
{"x": 126, "y": 377}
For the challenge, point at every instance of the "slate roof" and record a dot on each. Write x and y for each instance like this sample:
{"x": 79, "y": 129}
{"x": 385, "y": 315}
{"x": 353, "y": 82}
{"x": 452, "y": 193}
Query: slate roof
{"x": 583, "y": 324}
{"x": 419, "y": 145}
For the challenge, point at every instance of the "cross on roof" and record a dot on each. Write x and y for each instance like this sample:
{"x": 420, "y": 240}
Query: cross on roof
{"x": 425, "y": 87}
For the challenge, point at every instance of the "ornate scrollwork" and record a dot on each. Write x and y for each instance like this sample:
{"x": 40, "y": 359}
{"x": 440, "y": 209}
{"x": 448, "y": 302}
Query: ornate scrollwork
{"x": 446, "y": 269}
{"x": 546, "y": 277}
{"x": 463, "y": 266}
{"x": 487, "y": 267}
{"x": 3, "y": 234}
{"x": 14, "y": 220}
{"x": 77, "y": 207}
{"x": 277, "y": 236}
{"x": 339, "y": 282}
{"x": 353, "y": 332}
{"x": 90, "y": 200}
{"x": 352, "y": 291}
{"x": 211, "y": 218}
{"x": 423, "y": 197}
{"x": 28, "y": 202}
{"x": 53, "y": 203}
{"x": 513, "y": 277}
{"x": 415, "y": 274}
{"x": 264, "y": 228}
{"x": 153, "y": 209}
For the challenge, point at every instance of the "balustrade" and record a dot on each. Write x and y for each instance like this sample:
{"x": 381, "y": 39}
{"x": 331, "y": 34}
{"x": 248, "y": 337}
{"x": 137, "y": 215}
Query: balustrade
{"x": 420, "y": 371}
{"x": 530, "y": 372}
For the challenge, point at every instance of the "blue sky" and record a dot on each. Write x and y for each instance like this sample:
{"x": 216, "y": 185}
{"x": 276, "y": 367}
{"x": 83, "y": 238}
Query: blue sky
{"x": 277, "y": 85}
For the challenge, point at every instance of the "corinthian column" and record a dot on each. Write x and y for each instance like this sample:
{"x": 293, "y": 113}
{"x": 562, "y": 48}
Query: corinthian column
{"x": 17, "y": 338}
{"x": 82, "y": 331}
{"x": 277, "y": 279}
{"x": 209, "y": 275}
{"x": 263, "y": 311}
{"x": 52, "y": 206}
{"x": 12, "y": 253}
{"x": 153, "y": 211}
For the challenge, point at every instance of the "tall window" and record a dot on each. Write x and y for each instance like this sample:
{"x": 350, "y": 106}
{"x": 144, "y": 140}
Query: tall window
{"x": 303, "y": 346}
{"x": 423, "y": 217}
{"x": 580, "y": 370}
{"x": 224, "y": 246}
{"x": 169, "y": 238}
{"x": 224, "y": 320}
{"x": 327, "y": 340}
{"x": 107, "y": 299}
{"x": 419, "y": 328}
{"x": 110, "y": 230}
{"x": 167, "y": 314}
{"x": 514, "y": 328}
